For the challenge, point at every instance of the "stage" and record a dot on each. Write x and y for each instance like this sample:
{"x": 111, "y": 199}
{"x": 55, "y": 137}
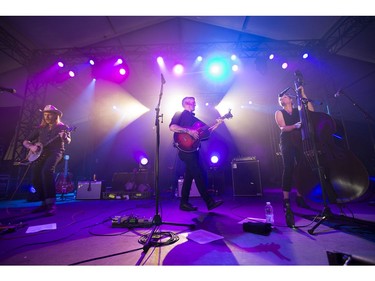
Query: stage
{"x": 113, "y": 232}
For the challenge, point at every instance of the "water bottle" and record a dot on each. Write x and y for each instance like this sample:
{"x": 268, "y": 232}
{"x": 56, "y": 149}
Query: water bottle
{"x": 269, "y": 213}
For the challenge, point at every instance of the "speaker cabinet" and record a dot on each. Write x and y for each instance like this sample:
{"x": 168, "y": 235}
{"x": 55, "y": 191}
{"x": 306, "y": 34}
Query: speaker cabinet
{"x": 246, "y": 178}
{"x": 193, "y": 191}
{"x": 131, "y": 182}
{"x": 89, "y": 190}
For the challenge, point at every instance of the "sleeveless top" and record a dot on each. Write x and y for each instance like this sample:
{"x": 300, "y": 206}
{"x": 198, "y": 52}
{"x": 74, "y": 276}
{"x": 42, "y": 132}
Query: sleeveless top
{"x": 290, "y": 119}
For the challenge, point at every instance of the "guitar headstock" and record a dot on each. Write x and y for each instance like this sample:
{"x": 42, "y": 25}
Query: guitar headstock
{"x": 71, "y": 129}
{"x": 299, "y": 78}
{"x": 228, "y": 115}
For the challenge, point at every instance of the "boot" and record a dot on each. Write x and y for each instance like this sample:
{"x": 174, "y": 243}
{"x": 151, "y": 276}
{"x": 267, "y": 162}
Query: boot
{"x": 212, "y": 204}
{"x": 51, "y": 210}
{"x": 289, "y": 216}
{"x": 301, "y": 202}
{"x": 50, "y": 206}
{"x": 40, "y": 209}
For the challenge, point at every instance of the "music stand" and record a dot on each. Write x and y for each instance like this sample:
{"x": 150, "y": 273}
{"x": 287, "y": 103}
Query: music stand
{"x": 157, "y": 220}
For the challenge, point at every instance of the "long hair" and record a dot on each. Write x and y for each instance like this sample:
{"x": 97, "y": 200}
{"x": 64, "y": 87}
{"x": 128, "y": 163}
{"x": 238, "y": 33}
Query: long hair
{"x": 57, "y": 120}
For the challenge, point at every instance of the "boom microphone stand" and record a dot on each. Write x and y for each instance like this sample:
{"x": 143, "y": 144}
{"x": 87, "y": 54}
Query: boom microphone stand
{"x": 157, "y": 220}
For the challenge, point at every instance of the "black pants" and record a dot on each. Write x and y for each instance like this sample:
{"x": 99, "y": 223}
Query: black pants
{"x": 291, "y": 156}
{"x": 43, "y": 174}
{"x": 193, "y": 171}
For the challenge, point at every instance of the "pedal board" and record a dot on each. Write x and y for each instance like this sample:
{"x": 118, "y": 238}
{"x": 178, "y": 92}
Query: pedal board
{"x": 131, "y": 222}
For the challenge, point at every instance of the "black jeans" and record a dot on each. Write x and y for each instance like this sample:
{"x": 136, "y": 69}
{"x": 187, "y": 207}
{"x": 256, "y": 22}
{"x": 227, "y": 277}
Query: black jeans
{"x": 193, "y": 171}
{"x": 43, "y": 174}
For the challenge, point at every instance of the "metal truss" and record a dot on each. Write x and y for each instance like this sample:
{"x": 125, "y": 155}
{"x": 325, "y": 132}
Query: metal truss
{"x": 341, "y": 34}
{"x": 243, "y": 49}
{"x": 14, "y": 48}
{"x": 33, "y": 101}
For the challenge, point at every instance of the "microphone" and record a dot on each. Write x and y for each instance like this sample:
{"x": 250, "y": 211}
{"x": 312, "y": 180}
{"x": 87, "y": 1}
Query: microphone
{"x": 284, "y": 92}
{"x": 338, "y": 93}
{"x": 12, "y": 91}
{"x": 162, "y": 79}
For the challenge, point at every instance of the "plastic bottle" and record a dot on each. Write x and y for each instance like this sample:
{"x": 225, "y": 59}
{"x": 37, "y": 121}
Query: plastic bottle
{"x": 269, "y": 213}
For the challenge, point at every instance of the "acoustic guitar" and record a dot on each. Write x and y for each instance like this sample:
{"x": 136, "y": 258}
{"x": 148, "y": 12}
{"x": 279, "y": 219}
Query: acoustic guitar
{"x": 186, "y": 143}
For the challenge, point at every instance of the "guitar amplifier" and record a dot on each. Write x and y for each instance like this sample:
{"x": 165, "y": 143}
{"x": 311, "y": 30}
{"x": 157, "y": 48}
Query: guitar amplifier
{"x": 193, "y": 191}
{"x": 89, "y": 190}
{"x": 246, "y": 177}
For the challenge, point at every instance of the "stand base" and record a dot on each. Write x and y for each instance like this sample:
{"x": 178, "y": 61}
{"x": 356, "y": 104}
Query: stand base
{"x": 156, "y": 238}
{"x": 325, "y": 214}
{"x": 158, "y": 221}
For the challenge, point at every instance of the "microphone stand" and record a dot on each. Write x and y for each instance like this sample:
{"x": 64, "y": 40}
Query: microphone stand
{"x": 366, "y": 115}
{"x": 157, "y": 220}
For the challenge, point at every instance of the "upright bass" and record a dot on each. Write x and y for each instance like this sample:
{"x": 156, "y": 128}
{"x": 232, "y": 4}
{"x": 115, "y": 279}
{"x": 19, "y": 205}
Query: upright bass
{"x": 341, "y": 175}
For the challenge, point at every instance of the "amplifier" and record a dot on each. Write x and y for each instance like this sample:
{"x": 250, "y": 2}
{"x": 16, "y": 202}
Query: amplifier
{"x": 246, "y": 178}
{"x": 193, "y": 191}
{"x": 132, "y": 182}
{"x": 89, "y": 190}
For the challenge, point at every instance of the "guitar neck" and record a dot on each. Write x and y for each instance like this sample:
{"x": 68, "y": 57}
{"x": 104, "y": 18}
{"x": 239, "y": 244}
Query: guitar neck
{"x": 51, "y": 140}
{"x": 58, "y": 135}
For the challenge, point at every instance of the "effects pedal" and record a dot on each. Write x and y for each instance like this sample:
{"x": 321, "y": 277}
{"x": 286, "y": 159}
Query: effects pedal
{"x": 131, "y": 222}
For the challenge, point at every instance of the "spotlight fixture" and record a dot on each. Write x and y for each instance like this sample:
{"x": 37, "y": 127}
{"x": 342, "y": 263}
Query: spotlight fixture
{"x": 143, "y": 164}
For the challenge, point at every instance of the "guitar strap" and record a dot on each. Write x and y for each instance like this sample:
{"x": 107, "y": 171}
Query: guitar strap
{"x": 177, "y": 119}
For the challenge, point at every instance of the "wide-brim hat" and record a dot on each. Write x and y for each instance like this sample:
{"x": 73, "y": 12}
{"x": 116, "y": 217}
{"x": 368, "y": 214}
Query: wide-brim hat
{"x": 286, "y": 93}
{"x": 51, "y": 108}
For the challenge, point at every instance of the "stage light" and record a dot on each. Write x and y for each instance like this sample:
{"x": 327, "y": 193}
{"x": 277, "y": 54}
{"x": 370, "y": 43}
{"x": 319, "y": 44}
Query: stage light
{"x": 305, "y": 55}
{"x": 60, "y": 64}
{"x": 118, "y": 62}
{"x": 271, "y": 56}
{"x": 160, "y": 61}
{"x": 144, "y": 161}
{"x": 71, "y": 73}
{"x": 284, "y": 65}
{"x": 122, "y": 71}
{"x": 233, "y": 57}
{"x": 214, "y": 159}
{"x": 91, "y": 62}
{"x": 199, "y": 58}
{"x": 218, "y": 69}
{"x": 178, "y": 69}
{"x": 109, "y": 69}
{"x": 235, "y": 68}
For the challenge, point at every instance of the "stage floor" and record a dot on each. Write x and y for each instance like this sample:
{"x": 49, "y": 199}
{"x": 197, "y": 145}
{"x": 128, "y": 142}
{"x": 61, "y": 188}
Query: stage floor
{"x": 85, "y": 232}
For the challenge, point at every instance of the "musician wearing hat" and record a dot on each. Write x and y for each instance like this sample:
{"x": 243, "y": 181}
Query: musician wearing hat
{"x": 46, "y": 144}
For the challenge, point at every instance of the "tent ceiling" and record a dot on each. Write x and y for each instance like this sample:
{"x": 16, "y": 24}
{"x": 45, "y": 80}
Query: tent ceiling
{"x": 22, "y": 36}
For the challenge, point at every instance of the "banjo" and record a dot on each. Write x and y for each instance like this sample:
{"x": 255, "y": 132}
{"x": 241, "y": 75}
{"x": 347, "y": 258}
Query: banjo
{"x": 32, "y": 156}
